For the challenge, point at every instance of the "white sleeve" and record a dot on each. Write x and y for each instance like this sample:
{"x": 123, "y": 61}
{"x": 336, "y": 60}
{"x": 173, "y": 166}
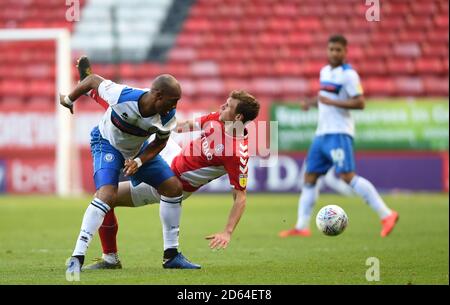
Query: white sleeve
{"x": 353, "y": 84}
{"x": 162, "y": 134}
{"x": 110, "y": 91}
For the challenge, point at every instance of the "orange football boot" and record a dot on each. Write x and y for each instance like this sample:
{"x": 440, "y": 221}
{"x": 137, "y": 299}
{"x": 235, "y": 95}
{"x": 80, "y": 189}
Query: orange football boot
{"x": 388, "y": 223}
{"x": 295, "y": 232}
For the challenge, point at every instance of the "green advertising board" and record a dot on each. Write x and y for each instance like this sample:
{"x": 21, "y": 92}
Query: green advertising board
{"x": 382, "y": 125}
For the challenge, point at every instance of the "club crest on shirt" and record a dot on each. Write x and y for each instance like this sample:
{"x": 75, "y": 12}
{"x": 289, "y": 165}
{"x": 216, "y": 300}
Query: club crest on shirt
{"x": 243, "y": 180}
{"x": 109, "y": 157}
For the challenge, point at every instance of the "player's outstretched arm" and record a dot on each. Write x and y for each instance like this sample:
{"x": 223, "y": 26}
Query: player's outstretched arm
{"x": 154, "y": 148}
{"x": 87, "y": 84}
{"x": 222, "y": 239}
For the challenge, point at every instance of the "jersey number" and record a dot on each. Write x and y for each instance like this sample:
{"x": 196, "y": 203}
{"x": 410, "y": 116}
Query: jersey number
{"x": 338, "y": 156}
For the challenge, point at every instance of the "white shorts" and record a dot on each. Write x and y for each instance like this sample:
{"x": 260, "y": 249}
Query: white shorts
{"x": 143, "y": 193}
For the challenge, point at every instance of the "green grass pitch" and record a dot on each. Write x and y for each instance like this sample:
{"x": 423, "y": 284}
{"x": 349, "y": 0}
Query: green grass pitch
{"x": 37, "y": 234}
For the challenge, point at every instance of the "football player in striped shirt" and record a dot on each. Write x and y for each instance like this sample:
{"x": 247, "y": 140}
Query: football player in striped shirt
{"x": 119, "y": 142}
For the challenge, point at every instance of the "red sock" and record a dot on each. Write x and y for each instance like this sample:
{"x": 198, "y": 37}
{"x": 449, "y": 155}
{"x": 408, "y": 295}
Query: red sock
{"x": 108, "y": 233}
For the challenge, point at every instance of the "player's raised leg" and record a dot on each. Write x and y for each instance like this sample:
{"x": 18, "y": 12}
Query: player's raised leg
{"x": 366, "y": 190}
{"x": 336, "y": 183}
{"x": 340, "y": 147}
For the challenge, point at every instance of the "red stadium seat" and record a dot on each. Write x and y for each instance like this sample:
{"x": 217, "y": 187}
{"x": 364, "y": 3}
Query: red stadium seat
{"x": 237, "y": 70}
{"x": 256, "y": 43}
{"x": 287, "y": 68}
{"x": 435, "y": 50}
{"x": 12, "y": 103}
{"x": 441, "y": 22}
{"x": 435, "y": 86}
{"x": 43, "y": 104}
{"x": 378, "y": 87}
{"x": 13, "y": 88}
{"x": 396, "y": 8}
{"x": 266, "y": 86}
{"x": 375, "y": 67}
{"x": 407, "y": 49}
{"x": 409, "y": 86}
{"x": 429, "y": 66}
{"x": 237, "y": 84}
{"x": 423, "y": 8}
{"x": 398, "y": 66}
{"x": 295, "y": 86}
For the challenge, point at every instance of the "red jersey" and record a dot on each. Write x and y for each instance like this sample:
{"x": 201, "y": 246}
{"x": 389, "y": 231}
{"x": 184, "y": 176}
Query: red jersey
{"x": 213, "y": 155}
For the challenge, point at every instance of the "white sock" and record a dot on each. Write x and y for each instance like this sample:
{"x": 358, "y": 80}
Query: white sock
{"x": 320, "y": 183}
{"x": 170, "y": 213}
{"x": 337, "y": 184}
{"x": 112, "y": 258}
{"x": 305, "y": 205}
{"x": 367, "y": 191}
{"x": 92, "y": 220}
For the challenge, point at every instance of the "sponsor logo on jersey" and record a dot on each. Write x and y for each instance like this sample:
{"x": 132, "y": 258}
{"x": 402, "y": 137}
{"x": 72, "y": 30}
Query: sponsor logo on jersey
{"x": 206, "y": 150}
{"x": 330, "y": 87}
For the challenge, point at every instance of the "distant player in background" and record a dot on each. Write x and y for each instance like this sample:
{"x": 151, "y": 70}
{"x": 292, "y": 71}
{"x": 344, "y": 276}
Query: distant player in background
{"x": 340, "y": 92}
{"x": 118, "y": 143}
{"x": 203, "y": 160}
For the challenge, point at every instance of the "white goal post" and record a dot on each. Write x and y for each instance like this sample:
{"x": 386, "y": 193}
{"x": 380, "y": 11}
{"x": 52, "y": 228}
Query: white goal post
{"x": 67, "y": 177}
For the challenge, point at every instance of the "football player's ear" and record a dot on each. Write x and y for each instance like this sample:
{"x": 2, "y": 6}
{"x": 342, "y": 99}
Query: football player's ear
{"x": 157, "y": 93}
{"x": 240, "y": 117}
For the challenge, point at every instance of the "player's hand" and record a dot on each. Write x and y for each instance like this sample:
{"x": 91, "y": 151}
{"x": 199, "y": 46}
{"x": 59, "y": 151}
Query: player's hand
{"x": 325, "y": 100}
{"x": 304, "y": 104}
{"x": 130, "y": 168}
{"x": 62, "y": 102}
{"x": 219, "y": 240}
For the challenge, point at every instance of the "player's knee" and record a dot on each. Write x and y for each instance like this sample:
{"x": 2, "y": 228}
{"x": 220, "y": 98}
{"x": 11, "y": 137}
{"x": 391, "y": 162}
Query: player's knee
{"x": 107, "y": 194}
{"x": 311, "y": 178}
{"x": 347, "y": 177}
{"x": 171, "y": 188}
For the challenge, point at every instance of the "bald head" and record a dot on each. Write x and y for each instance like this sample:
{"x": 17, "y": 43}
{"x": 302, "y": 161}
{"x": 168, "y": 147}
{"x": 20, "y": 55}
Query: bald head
{"x": 167, "y": 85}
{"x": 165, "y": 93}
